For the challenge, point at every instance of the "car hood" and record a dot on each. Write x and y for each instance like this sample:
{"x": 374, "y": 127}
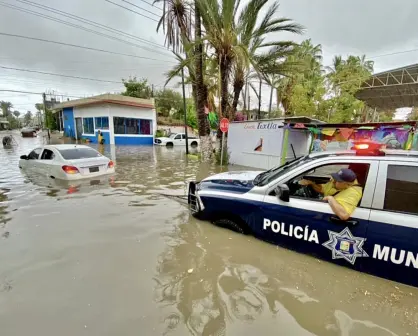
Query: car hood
{"x": 237, "y": 182}
{"x": 163, "y": 138}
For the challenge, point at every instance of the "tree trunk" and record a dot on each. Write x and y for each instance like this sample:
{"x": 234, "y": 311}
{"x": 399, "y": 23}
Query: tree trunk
{"x": 238, "y": 85}
{"x": 259, "y": 101}
{"x": 201, "y": 91}
{"x": 271, "y": 100}
{"x": 224, "y": 66}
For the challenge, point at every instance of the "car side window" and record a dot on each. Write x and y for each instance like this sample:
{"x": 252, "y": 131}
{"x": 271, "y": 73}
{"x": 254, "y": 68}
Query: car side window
{"x": 401, "y": 193}
{"x": 47, "y": 154}
{"x": 322, "y": 175}
{"x": 183, "y": 136}
{"x": 34, "y": 155}
{"x": 178, "y": 137}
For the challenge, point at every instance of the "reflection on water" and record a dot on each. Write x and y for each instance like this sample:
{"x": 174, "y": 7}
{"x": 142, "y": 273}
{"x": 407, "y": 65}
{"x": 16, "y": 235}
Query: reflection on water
{"x": 122, "y": 256}
{"x": 240, "y": 284}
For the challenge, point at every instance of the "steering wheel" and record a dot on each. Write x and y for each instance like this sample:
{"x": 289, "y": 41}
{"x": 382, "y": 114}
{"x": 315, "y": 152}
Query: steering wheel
{"x": 307, "y": 191}
{"x": 302, "y": 191}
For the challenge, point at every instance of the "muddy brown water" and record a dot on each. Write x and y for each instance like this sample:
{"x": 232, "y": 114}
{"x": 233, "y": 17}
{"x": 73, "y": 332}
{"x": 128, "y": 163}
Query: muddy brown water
{"x": 119, "y": 258}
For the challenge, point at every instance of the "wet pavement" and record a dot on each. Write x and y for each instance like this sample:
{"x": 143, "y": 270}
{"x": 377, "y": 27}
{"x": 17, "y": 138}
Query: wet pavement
{"x": 123, "y": 258}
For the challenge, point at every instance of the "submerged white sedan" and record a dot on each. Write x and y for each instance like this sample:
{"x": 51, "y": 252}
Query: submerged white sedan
{"x": 67, "y": 162}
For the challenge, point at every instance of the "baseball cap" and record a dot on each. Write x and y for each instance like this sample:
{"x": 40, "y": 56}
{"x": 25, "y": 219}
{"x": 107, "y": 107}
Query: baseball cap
{"x": 344, "y": 175}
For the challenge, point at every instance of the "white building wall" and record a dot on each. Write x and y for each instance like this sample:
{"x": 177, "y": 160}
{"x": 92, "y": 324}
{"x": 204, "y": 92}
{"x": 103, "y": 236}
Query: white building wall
{"x": 114, "y": 110}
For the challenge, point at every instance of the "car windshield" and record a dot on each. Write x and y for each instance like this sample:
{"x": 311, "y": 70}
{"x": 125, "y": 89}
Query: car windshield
{"x": 273, "y": 173}
{"x": 172, "y": 136}
{"x": 78, "y": 153}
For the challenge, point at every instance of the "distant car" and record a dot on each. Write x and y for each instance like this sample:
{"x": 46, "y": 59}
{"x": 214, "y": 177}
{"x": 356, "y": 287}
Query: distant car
{"x": 177, "y": 139}
{"x": 67, "y": 162}
{"x": 28, "y": 132}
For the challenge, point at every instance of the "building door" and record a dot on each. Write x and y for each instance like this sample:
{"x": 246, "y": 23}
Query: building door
{"x": 79, "y": 127}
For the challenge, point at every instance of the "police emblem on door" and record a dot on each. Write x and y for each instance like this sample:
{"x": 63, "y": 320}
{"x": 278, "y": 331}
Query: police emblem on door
{"x": 344, "y": 245}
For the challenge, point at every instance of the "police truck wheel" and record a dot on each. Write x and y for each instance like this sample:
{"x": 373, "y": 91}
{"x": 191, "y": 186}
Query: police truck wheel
{"x": 229, "y": 224}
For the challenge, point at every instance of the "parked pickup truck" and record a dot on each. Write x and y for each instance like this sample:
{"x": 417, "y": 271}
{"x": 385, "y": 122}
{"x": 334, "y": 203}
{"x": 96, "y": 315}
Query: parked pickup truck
{"x": 177, "y": 139}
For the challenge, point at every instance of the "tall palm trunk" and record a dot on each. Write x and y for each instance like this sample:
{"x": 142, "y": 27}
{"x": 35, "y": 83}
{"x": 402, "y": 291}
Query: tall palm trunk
{"x": 225, "y": 66}
{"x": 238, "y": 85}
{"x": 201, "y": 91}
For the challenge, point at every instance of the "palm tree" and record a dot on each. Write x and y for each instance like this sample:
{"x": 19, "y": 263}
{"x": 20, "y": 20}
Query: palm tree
{"x": 176, "y": 21}
{"x": 236, "y": 42}
{"x": 5, "y": 107}
{"x": 305, "y": 69}
{"x": 252, "y": 37}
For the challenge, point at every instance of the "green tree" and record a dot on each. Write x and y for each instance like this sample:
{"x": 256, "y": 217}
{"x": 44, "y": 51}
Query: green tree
{"x": 344, "y": 78}
{"x": 5, "y": 108}
{"x": 27, "y": 118}
{"x": 301, "y": 90}
{"x": 16, "y": 114}
{"x": 167, "y": 100}
{"x": 251, "y": 37}
{"x": 236, "y": 41}
{"x": 176, "y": 21}
{"x": 137, "y": 88}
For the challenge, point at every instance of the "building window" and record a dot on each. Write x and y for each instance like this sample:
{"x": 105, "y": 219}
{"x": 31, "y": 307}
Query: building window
{"x": 119, "y": 125}
{"x": 145, "y": 127}
{"x": 131, "y": 126}
{"x": 88, "y": 127}
{"x": 102, "y": 123}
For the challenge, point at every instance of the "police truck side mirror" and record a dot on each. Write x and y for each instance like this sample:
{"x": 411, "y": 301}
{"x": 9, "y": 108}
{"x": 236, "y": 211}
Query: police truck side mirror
{"x": 282, "y": 192}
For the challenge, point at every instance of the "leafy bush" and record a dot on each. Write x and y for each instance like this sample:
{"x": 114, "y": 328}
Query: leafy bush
{"x": 225, "y": 158}
{"x": 159, "y": 134}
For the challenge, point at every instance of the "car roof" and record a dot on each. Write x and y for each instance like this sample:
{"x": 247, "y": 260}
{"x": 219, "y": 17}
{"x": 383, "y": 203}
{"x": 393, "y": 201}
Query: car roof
{"x": 389, "y": 155}
{"x": 63, "y": 147}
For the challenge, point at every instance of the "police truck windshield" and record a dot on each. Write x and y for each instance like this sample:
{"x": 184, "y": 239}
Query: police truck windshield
{"x": 273, "y": 173}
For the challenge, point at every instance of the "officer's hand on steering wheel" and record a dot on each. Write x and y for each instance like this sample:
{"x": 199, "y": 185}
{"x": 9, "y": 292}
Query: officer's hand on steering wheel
{"x": 304, "y": 182}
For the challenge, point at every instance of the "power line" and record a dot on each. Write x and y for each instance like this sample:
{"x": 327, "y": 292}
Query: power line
{"x": 140, "y": 8}
{"x": 82, "y": 47}
{"x": 148, "y": 3}
{"x": 393, "y": 53}
{"x": 60, "y": 75}
{"x": 90, "y": 22}
{"x": 74, "y": 25}
{"x": 18, "y": 91}
{"x": 131, "y": 10}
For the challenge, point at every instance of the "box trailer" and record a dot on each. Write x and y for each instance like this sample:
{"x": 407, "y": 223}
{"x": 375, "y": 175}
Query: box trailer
{"x": 265, "y": 144}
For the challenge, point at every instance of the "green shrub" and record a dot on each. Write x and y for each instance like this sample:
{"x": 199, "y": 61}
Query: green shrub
{"x": 225, "y": 159}
{"x": 159, "y": 134}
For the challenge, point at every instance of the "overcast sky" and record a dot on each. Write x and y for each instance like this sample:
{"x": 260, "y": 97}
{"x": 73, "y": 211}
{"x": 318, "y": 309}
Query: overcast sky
{"x": 371, "y": 27}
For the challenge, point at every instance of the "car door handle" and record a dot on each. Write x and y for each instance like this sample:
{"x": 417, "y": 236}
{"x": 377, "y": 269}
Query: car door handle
{"x": 337, "y": 220}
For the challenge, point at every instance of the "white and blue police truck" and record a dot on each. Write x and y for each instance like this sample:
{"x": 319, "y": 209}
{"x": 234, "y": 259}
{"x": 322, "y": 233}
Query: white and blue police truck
{"x": 380, "y": 238}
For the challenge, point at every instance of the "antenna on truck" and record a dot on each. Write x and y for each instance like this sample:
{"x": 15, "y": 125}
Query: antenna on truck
{"x": 293, "y": 150}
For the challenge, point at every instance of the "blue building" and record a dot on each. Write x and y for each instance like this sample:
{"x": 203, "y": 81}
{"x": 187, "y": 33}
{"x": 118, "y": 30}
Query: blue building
{"x": 121, "y": 120}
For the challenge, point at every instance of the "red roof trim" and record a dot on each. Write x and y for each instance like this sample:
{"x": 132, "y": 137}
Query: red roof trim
{"x": 116, "y": 102}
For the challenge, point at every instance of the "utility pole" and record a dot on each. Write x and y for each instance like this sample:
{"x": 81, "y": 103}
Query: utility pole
{"x": 185, "y": 111}
{"x": 259, "y": 101}
{"x": 152, "y": 90}
{"x": 44, "y": 101}
{"x": 271, "y": 99}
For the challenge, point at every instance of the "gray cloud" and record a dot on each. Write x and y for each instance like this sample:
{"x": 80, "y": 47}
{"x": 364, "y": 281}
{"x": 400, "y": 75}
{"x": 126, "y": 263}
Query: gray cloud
{"x": 372, "y": 27}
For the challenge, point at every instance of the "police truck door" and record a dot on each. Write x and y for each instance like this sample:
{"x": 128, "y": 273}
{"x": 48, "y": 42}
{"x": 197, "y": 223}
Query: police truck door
{"x": 392, "y": 237}
{"x": 308, "y": 224}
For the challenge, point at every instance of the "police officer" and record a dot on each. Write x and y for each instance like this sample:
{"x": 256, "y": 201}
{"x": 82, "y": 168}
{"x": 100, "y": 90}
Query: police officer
{"x": 342, "y": 192}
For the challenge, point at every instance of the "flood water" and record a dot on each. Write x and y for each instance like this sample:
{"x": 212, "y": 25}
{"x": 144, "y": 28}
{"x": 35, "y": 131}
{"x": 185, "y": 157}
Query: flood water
{"x": 123, "y": 258}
